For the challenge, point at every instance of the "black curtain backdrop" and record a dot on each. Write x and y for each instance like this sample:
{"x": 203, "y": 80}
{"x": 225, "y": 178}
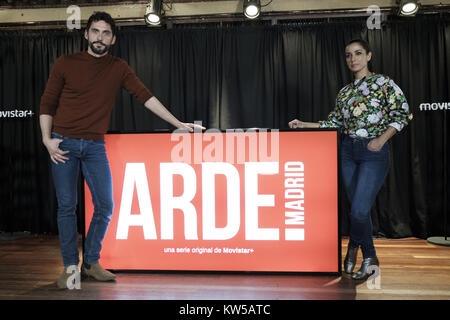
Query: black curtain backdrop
{"x": 239, "y": 76}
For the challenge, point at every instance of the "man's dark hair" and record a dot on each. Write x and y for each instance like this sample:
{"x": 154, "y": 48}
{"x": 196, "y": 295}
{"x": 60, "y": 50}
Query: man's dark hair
{"x": 102, "y": 16}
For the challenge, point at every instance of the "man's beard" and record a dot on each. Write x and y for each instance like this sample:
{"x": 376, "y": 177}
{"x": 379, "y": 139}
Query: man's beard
{"x": 96, "y": 50}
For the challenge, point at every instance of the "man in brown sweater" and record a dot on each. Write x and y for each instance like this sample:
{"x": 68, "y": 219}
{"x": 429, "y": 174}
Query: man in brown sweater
{"x": 74, "y": 116}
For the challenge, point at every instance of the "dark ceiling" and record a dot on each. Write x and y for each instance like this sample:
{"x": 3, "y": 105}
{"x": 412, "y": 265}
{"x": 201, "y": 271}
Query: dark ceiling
{"x": 38, "y": 3}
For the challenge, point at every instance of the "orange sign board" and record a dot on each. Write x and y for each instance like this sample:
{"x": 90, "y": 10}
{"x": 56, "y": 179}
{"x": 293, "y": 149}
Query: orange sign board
{"x": 223, "y": 201}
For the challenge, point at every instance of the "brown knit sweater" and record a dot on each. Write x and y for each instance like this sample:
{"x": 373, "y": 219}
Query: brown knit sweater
{"x": 81, "y": 91}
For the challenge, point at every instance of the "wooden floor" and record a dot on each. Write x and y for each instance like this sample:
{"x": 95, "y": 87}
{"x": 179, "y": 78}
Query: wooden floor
{"x": 410, "y": 269}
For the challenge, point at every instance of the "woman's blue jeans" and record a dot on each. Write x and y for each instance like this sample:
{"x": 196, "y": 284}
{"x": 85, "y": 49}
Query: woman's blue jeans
{"x": 363, "y": 173}
{"x": 90, "y": 156}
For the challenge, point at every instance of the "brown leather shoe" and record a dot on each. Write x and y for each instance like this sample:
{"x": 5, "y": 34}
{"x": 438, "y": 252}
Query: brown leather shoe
{"x": 97, "y": 272}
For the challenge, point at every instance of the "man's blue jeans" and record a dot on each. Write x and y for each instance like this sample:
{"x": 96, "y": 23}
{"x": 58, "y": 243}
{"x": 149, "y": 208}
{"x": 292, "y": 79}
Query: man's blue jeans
{"x": 363, "y": 172}
{"x": 90, "y": 155}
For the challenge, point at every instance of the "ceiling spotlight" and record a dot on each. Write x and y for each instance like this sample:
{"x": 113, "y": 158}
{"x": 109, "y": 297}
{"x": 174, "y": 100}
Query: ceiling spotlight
{"x": 408, "y": 7}
{"x": 252, "y": 8}
{"x": 153, "y": 12}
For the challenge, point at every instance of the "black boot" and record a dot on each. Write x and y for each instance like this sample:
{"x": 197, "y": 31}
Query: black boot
{"x": 367, "y": 268}
{"x": 350, "y": 259}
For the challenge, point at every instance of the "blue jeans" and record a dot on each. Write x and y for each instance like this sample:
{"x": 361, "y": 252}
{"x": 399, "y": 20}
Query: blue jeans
{"x": 363, "y": 173}
{"x": 90, "y": 155}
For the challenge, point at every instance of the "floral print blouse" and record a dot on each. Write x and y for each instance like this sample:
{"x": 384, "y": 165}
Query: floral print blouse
{"x": 366, "y": 107}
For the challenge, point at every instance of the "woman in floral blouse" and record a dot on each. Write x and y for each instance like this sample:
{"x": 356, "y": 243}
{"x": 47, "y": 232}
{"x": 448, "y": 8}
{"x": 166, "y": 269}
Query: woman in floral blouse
{"x": 369, "y": 111}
